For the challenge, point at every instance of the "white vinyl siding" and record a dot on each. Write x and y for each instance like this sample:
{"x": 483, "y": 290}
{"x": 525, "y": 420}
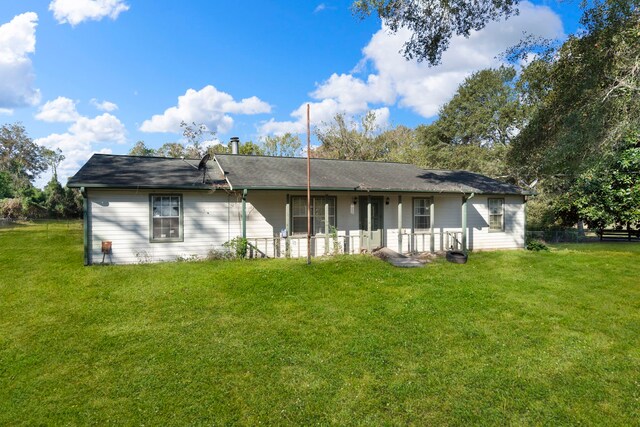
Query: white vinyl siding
{"x": 123, "y": 217}
{"x": 211, "y": 218}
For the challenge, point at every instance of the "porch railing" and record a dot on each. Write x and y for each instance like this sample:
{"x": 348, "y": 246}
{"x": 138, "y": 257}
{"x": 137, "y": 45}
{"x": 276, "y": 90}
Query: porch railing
{"x": 296, "y": 246}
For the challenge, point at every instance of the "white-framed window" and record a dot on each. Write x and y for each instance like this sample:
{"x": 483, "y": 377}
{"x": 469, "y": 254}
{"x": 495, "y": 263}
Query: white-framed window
{"x": 496, "y": 214}
{"x": 422, "y": 214}
{"x": 166, "y": 218}
{"x": 299, "y": 214}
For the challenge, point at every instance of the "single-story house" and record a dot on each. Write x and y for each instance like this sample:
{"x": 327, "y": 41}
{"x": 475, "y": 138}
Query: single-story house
{"x": 161, "y": 209}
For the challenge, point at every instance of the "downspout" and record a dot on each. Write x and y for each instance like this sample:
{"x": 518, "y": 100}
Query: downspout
{"x": 524, "y": 202}
{"x": 85, "y": 224}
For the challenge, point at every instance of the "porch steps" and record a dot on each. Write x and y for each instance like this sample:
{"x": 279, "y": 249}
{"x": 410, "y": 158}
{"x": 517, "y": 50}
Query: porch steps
{"x": 398, "y": 260}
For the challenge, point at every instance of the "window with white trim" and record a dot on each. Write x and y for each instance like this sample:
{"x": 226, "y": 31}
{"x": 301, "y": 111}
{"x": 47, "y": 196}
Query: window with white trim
{"x": 166, "y": 218}
{"x": 496, "y": 214}
{"x": 299, "y": 214}
{"x": 422, "y": 214}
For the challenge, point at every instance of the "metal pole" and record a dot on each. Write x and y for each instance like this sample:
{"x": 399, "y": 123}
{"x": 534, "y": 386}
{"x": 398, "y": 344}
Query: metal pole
{"x": 244, "y": 213}
{"x": 308, "y": 186}
{"x": 399, "y": 224}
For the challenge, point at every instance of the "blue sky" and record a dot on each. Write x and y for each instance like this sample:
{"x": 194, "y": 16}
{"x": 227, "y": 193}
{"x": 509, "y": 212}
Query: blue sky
{"x": 91, "y": 76}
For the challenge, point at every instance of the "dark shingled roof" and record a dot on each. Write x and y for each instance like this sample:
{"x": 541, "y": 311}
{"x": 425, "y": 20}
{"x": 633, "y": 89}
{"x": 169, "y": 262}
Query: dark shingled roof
{"x": 262, "y": 172}
{"x": 259, "y": 172}
{"x": 106, "y": 170}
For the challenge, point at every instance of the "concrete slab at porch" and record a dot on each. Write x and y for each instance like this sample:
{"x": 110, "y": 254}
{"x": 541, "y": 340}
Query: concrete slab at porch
{"x": 398, "y": 260}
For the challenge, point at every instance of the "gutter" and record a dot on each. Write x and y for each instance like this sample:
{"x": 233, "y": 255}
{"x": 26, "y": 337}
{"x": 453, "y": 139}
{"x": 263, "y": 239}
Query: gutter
{"x": 377, "y": 190}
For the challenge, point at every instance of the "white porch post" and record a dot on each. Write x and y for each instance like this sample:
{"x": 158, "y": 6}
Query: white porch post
{"x": 369, "y": 223}
{"x": 287, "y": 226}
{"x": 326, "y": 225}
{"x": 464, "y": 223}
{"x": 432, "y": 236}
{"x": 399, "y": 224}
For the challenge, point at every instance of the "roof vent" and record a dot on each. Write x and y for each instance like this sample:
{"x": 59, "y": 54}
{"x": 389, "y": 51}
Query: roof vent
{"x": 235, "y": 142}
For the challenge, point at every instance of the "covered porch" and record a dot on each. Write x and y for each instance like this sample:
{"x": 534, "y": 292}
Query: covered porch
{"x": 354, "y": 223}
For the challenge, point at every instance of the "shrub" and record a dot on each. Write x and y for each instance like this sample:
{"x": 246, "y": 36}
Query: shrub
{"x": 11, "y": 208}
{"x": 536, "y": 245}
{"x": 216, "y": 254}
{"x": 237, "y": 246}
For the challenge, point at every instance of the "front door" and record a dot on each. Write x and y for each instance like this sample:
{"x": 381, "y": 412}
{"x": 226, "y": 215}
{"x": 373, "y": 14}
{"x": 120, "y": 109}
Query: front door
{"x": 375, "y": 240}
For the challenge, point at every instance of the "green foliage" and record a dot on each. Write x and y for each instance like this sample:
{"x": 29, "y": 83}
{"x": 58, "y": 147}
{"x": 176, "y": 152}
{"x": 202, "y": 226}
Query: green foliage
{"x": 542, "y": 339}
{"x": 286, "y": 145}
{"x": 55, "y": 199}
{"x": 434, "y": 154}
{"x": 140, "y": 149}
{"x": 485, "y": 110}
{"x": 475, "y": 128}
{"x": 355, "y": 140}
{"x": 536, "y": 245}
{"x": 6, "y": 187}
{"x": 591, "y": 101}
{"x": 250, "y": 149}
{"x": 53, "y": 159}
{"x": 172, "y": 149}
{"x": 609, "y": 193}
{"x": 433, "y": 23}
{"x": 20, "y": 158}
{"x": 364, "y": 139}
{"x": 237, "y": 246}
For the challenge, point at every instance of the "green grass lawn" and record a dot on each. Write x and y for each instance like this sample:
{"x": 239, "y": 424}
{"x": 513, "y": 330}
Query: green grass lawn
{"x": 510, "y": 338}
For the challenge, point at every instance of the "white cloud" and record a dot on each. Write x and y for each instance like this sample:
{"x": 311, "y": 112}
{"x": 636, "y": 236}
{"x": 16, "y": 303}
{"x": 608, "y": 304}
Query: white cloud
{"x": 103, "y": 128}
{"x": 6, "y": 112}
{"x": 424, "y": 89}
{"x": 104, "y": 105}
{"x": 17, "y": 41}
{"x": 414, "y": 85}
{"x": 78, "y": 143}
{"x": 60, "y": 109}
{"x": 208, "y": 106}
{"x": 73, "y": 12}
{"x": 320, "y": 8}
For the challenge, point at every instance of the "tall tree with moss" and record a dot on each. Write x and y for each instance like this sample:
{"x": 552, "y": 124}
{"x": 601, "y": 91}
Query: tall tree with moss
{"x": 141, "y": 149}
{"x": 591, "y": 104}
{"x": 475, "y": 128}
{"x": 587, "y": 109}
{"x": 21, "y": 159}
{"x": 356, "y": 139}
{"x": 287, "y": 145}
{"x": 432, "y": 23}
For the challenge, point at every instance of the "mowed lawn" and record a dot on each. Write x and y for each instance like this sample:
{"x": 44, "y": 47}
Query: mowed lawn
{"x": 512, "y": 337}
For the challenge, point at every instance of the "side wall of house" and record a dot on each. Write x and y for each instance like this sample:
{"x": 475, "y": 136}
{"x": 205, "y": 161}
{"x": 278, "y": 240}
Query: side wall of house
{"x": 513, "y": 235}
{"x": 212, "y": 218}
{"x": 123, "y": 217}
